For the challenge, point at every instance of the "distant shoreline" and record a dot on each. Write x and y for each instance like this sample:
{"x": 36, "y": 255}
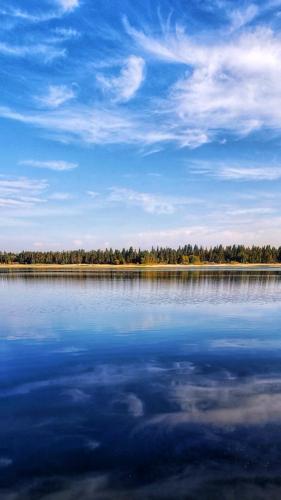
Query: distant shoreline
{"x": 96, "y": 267}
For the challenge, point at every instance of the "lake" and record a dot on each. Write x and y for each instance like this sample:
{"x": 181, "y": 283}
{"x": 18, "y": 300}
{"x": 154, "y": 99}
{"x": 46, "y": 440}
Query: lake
{"x": 140, "y": 385}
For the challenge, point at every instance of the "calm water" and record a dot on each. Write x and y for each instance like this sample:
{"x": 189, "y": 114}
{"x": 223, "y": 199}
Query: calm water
{"x": 140, "y": 385}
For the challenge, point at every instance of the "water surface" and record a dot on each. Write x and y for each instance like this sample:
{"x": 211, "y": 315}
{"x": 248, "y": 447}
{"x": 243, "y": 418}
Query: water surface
{"x": 140, "y": 385}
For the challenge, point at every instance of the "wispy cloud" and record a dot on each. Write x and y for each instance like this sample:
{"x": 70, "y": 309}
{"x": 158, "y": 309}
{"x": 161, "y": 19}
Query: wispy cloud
{"x": 46, "y": 51}
{"x": 170, "y": 236}
{"x": 249, "y": 174}
{"x": 125, "y": 86}
{"x": 23, "y": 15}
{"x": 241, "y": 17}
{"x": 56, "y": 96}
{"x": 22, "y": 201}
{"x": 21, "y": 192}
{"x": 230, "y": 85}
{"x": 61, "y": 7}
{"x": 21, "y": 183}
{"x": 93, "y": 125}
{"x": 135, "y": 405}
{"x": 93, "y": 194}
{"x": 67, "y": 33}
{"x": 97, "y": 125}
{"x": 221, "y": 226}
{"x": 58, "y": 165}
{"x": 151, "y": 203}
{"x": 217, "y": 86}
{"x": 68, "y": 5}
{"x": 60, "y": 196}
{"x": 251, "y": 211}
{"x": 5, "y": 462}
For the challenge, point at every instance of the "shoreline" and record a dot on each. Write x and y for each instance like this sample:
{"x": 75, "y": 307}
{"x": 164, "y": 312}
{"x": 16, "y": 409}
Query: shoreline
{"x": 126, "y": 267}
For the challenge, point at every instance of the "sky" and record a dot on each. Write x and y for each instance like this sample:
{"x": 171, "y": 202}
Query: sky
{"x": 139, "y": 122}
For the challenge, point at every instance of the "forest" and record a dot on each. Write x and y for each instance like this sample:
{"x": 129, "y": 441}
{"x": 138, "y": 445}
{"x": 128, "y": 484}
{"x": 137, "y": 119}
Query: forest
{"x": 187, "y": 254}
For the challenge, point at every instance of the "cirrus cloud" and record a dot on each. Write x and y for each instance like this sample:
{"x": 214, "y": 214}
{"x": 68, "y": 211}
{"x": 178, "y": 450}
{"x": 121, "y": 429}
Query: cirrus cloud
{"x": 68, "y": 5}
{"x": 151, "y": 203}
{"x": 58, "y": 165}
{"x": 56, "y": 96}
{"x": 125, "y": 86}
{"x": 20, "y": 192}
{"x": 230, "y": 85}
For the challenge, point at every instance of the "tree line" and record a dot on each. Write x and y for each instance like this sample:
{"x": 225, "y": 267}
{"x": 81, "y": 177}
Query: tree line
{"x": 187, "y": 254}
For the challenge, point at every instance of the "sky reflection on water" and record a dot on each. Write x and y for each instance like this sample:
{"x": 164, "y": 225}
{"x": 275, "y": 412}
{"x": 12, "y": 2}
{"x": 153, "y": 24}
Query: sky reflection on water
{"x": 135, "y": 385}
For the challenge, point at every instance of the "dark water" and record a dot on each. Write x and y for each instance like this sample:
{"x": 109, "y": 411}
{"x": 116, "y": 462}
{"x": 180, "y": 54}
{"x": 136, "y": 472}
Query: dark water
{"x": 140, "y": 385}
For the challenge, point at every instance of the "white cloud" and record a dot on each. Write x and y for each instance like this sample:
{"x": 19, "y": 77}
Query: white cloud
{"x": 78, "y": 243}
{"x": 135, "y": 405}
{"x": 99, "y": 126}
{"x": 26, "y": 16}
{"x": 46, "y": 51}
{"x": 5, "y": 462}
{"x": 241, "y": 17}
{"x": 174, "y": 236}
{"x": 249, "y": 174}
{"x": 92, "y": 444}
{"x": 241, "y": 403}
{"x": 93, "y": 194}
{"x": 67, "y": 33}
{"x": 232, "y": 84}
{"x": 68, "y": 5}
{"x": 77, "y": 395}
{"x": 150, "y": 203}
{"x": 22, "y": 201}
{"x": 56, "y": 96}
{"x": 219, "y": 227}
{"x": 60, "y": 196}
{"x": 125, "y": 86}
{"x": 251, "y": 211}
{"x": 17, "y": 184}
{"x": 21, "y": 192}
{"x": 62, "y": 7}
{"x": 58, "y": 165}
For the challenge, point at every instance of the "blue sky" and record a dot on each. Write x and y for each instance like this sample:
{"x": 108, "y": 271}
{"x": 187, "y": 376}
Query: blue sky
{"x": 139, "y": 122}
